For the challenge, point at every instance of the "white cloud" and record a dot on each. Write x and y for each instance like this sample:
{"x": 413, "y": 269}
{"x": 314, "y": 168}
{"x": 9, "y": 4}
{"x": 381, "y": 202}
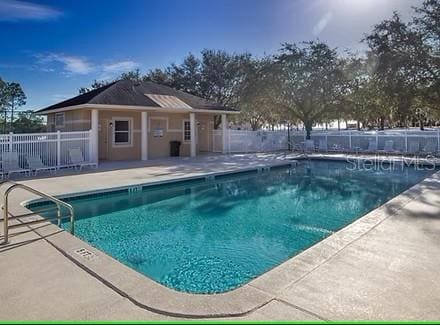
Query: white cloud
{"x": 75, "y": 65}
{"x": 15, "y": 10}
{"x": 71, "y": 64}
{"x": 114, "y": 69}
{"x": 322, "y": 23}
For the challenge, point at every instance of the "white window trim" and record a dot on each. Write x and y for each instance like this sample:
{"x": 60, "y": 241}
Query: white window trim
{"x": 55, "y": 120}
{"x": 183, "y": 131}
{"x": 130, "y": 132}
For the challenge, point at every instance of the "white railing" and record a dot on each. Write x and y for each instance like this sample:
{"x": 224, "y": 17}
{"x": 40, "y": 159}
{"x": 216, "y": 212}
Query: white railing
{"x": 52, "y": 148}
{"x": 250, "y": 141}
{"x": 412, "y": 141}
{"x": 352, "y": 141}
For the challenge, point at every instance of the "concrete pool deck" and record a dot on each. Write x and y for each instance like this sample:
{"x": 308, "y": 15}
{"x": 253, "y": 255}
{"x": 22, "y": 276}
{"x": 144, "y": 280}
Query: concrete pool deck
{"x": 383, "y": 266}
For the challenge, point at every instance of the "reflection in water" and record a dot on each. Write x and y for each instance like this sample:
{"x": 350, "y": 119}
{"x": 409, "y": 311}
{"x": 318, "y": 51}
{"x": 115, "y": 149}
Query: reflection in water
{"x": 214, "y": 236}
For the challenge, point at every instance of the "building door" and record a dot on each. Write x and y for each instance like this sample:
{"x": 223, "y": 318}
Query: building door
{"x": 104, "y": 139}
{"x": 203, "y": 135}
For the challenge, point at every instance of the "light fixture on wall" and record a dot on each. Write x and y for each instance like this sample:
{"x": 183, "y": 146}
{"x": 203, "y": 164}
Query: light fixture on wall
{"x": 111, "y": 124}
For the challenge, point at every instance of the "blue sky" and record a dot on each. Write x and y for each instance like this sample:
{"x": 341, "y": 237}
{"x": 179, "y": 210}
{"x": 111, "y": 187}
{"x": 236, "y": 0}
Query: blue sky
{"x": 54, "y": 47}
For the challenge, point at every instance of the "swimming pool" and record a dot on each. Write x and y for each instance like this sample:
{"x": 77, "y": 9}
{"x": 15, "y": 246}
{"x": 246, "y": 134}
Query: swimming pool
{"x": 211, "y": 236}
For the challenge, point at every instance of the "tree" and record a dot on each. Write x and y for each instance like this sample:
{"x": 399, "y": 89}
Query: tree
{"x": 216, "y": 76}
{"x": 3, "y": 99}
{"x": 221, "y": 76}
{"x": 14, "y": 98}
{"x": 427, "y": 24}
{"x": 134, "y": 75}
{"x": 308, "y": 82}
{"x": 408, "y": 62}
{"x": 159, "y": 76}
{"x": 28, "y": 122}
{"x": 186, "y": 76}
{"x": 95, "y": 85}
{"x": 255, "y": 98}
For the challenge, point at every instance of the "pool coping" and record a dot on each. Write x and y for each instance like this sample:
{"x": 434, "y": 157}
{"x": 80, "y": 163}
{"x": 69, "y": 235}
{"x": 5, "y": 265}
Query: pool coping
{"x": 148, "y": 294}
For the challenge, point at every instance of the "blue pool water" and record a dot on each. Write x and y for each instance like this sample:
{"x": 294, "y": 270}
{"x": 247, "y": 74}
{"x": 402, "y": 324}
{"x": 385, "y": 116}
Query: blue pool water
{"x": 213, "y": 236}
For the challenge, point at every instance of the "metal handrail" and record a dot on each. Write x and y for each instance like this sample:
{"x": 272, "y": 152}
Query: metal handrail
{"x": 58, "y": 203}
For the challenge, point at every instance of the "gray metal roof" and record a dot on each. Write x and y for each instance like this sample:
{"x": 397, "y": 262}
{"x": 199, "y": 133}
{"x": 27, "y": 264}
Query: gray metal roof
{"x": 132, "y": 93}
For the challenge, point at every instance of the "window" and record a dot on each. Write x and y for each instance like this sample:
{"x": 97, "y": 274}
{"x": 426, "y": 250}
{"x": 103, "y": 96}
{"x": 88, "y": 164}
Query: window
{"x": 186, "y": 131}
{"x": 122, "y": 132}
{"x": 59, "y": 119}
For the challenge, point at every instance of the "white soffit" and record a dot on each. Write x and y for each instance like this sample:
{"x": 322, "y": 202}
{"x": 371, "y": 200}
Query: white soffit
{"x": 167, "y": 101}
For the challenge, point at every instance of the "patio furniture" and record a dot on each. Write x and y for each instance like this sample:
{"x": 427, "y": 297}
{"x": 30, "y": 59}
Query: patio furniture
{"x": 429, "y": 149}
{"x": 388, "y": 147}
{"x": 298, "y": 146}
{"x": 413, "y": 148}
{"x": 337, "y": 148}
{"x": 77, "y": 159}
{"x": 11, "y": 165}
{"x": 357, "y": 149}
{"x": 35, "y": 164}
{"x": 309, "y": 146}
{"x": 372, "y": 147}
{"x": 323, "y": 146}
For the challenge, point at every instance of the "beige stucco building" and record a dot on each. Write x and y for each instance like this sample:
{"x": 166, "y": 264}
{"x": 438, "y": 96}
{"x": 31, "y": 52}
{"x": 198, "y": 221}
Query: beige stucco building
{"x": 137, "y": 121}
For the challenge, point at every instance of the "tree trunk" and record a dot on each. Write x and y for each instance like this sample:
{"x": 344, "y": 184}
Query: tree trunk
{"x": 308, "y": 127}
{"x": 5, "y": 121}
{"x": 289, "y": 146}
{"x": 12, "y": 118}
{"x": 358, "y": 125}
{"x": 339, "y": 125}
{"x": 422, "y": 126}
{"x": 382, "y": 123}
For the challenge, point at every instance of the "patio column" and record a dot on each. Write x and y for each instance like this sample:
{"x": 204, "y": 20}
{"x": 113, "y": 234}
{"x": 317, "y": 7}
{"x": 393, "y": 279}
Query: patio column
{"x": 224, "y": 132}
{"x": 144, "y": 136}
{"x": 192, "y": 125}
{"x": 94, "y": 136}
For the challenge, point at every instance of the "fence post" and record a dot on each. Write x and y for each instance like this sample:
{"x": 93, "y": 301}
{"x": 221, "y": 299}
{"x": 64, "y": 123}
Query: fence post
{"x": 406, "y": 140}
{"x": 11, "y": 141}
{"x": 89, "y": 140}
{"x": 438, "y": 140}
{"x": 377, "y": 140}
{"x": 349, "y": 140}
{"x": 58, "y": 148}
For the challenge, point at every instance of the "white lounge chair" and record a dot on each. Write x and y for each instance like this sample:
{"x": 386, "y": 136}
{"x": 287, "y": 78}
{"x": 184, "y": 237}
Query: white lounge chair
{"x": 11, "y": 165}
{"x": 388, "y": 147}
{"x": 323, "y": 146}
{"x": 413, "y": 148}
{"x": 77, "y": 159}
{"x": 372, "y": 147}
{"x": 35, "y": 164}
{"x": 429, "y": 149}
{"x": 309, "y": 146}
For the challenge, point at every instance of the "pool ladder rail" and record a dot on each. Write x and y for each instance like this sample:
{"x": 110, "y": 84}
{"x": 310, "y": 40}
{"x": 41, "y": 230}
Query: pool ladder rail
{"x": 7, "y": 216}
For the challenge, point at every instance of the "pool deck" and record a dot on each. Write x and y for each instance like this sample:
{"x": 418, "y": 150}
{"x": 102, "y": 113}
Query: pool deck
{"x": 384, "y": 266}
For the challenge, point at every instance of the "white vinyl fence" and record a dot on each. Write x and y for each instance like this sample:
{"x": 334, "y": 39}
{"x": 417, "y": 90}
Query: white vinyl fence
{"x": 52, "y": 148}
{"x": 352, "y": 141}
{"x": 349, "y": 141}
{"x": 250, "y": 141}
